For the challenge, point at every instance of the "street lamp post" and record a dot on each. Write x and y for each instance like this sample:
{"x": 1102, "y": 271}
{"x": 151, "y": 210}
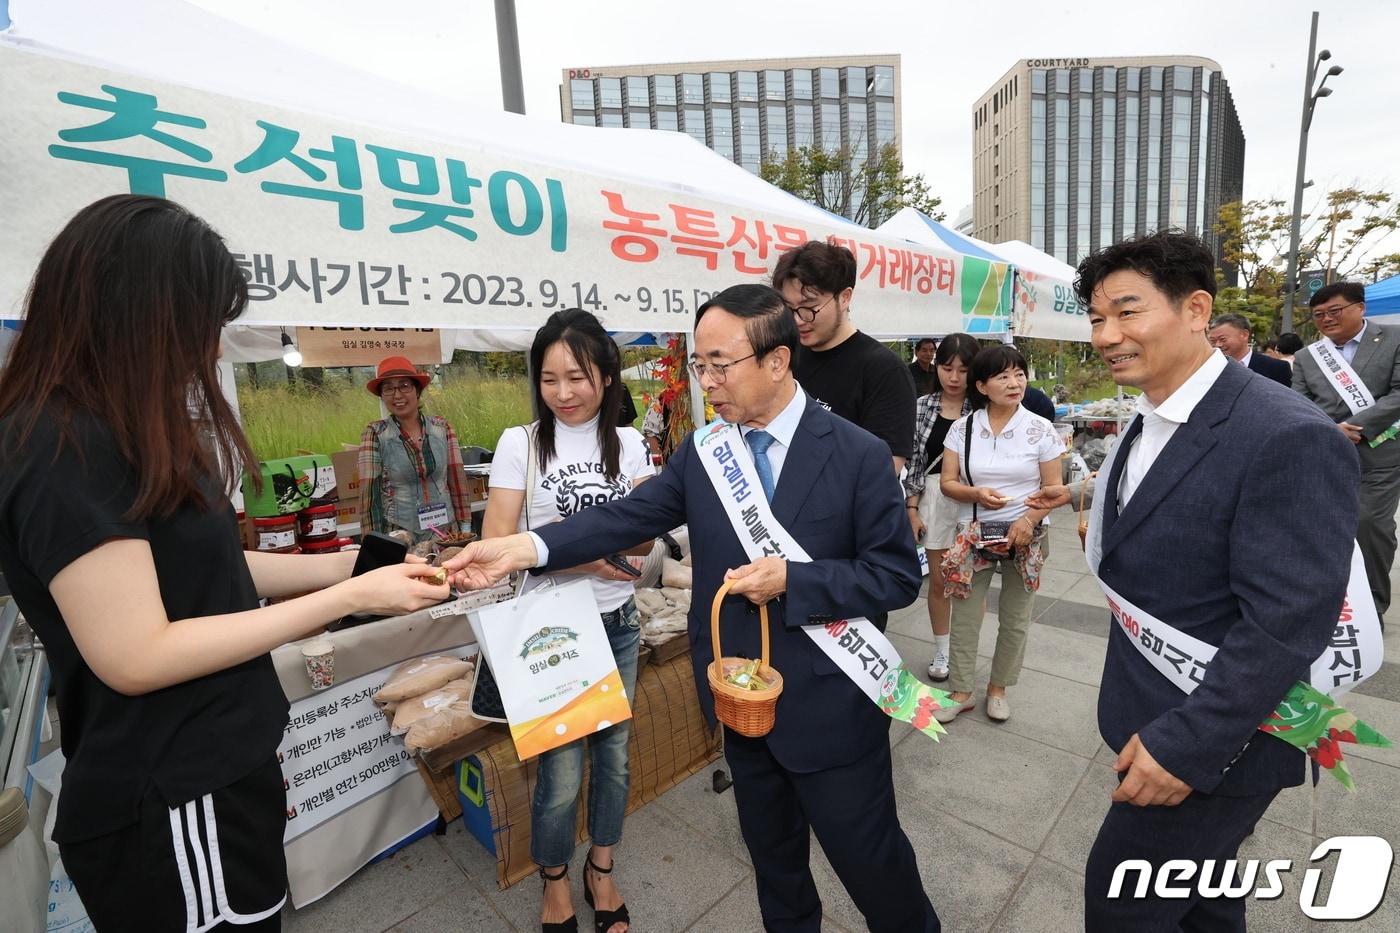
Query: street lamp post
{"x": 508, "y": 47}
{"x": 1310, "y": 98}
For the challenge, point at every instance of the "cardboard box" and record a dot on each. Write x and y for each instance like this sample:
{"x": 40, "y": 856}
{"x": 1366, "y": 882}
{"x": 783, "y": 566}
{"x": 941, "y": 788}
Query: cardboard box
{"x": 669, "y": 742}
{"x": 346, "y": 469}
{"x": 476, "y": 487}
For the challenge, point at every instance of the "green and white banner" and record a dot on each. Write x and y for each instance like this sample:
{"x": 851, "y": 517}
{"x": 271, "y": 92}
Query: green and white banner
{"x": 353, "y": 224}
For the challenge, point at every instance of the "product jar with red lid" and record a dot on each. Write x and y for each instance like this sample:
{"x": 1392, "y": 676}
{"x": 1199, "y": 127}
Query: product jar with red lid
{"x": 317, "y": 523}
{"x": 327, "y": 546}
{"x": 277, "y": 535}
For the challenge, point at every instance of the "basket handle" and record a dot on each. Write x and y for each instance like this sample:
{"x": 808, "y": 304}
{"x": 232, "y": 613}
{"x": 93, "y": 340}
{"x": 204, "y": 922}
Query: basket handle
{"x": 714, "y": 623}
{"x": 1083, "y": 491}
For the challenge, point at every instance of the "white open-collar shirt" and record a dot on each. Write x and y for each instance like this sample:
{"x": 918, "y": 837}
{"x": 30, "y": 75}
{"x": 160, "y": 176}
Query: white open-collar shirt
{"x": 1159, "y": 423}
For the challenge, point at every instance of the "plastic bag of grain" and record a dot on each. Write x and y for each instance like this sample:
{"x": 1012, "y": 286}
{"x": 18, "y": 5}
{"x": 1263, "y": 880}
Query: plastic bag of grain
{"x": 421, "y": 675}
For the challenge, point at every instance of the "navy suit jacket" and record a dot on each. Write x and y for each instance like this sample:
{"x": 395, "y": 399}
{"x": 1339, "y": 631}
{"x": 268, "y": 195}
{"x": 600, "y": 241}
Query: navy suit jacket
{"x": 1277, "y": 370}
{"x": 839, "y": 498}
{"x": 1240, "y": 534}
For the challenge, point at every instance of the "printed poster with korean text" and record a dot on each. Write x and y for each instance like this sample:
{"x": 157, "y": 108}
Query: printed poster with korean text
{"x": 554, "y": 665}
{"x": 351, "y": 224}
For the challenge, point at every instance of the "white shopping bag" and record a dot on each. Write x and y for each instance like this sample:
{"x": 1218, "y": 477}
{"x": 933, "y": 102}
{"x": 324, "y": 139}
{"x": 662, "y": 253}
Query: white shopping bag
{"x": 553, "y": 664}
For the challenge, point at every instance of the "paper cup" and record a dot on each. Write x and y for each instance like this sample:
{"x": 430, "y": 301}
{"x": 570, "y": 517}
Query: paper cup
{"x": 319, "y": 656}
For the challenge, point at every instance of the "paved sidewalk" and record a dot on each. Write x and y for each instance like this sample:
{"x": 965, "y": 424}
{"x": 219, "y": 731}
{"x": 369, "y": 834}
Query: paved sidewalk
{"x": 1001, "y": 816}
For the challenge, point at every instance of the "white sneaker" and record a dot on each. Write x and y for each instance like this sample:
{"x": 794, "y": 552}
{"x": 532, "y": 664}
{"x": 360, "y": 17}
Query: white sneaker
{"x": 938, "y": 668}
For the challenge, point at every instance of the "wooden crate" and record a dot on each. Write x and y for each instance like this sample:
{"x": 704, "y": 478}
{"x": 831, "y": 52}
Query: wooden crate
{"x": 676, "y": 645}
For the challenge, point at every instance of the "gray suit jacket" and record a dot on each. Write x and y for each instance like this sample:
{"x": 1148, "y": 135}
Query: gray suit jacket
{"x": 1377, "y": 362}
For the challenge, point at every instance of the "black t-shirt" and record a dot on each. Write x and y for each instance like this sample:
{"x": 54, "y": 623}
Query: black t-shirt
{"x": 862, "y": 380}
{"x": 924, "y": 382}
{"x": 934, "y": 448}
{"x": 1038, "y": 403}
{"x": 186, "y": 740}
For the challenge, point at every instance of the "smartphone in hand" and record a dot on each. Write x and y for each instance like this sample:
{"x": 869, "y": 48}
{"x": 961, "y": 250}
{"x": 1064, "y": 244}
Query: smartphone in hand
{"x": 378, "y": 550}
{"x": 623, "y": 564}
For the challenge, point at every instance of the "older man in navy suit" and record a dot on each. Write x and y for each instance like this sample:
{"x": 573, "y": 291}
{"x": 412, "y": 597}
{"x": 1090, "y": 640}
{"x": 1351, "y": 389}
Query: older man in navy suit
{"x": 1231, "y": 335}
{"x": 825, "y": 767}
{"x": 1206, "y": 521}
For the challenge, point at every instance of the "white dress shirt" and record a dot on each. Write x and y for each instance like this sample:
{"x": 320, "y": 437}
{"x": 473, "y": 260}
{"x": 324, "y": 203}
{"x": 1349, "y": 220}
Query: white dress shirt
{"x": 1248, "y": 355}
{"x": 1159, "y": 423}
{"x": 1348, "y": 349}
{"x": 782, "y": 429}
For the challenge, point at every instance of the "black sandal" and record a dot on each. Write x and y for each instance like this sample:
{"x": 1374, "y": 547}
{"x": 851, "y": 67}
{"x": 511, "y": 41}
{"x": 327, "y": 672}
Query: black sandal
{"x": 565, "y": 926}
{"x": 603, "y": 920}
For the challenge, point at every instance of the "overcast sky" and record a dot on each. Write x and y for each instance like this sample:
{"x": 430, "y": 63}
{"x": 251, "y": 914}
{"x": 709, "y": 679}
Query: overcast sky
{"x": 952, "y": 52}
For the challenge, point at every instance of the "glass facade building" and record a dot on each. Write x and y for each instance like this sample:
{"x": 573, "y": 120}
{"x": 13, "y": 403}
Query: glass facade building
{"x": 750, "y": 112}
{"x": 1071, "y": 155}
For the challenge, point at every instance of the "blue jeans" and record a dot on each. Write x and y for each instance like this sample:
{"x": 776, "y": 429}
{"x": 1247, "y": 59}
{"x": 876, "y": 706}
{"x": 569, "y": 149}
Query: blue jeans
{"x": 554, "y": 815}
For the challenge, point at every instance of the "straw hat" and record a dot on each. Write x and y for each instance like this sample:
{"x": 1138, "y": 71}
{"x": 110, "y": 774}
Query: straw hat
{"x": 396, "y": 366}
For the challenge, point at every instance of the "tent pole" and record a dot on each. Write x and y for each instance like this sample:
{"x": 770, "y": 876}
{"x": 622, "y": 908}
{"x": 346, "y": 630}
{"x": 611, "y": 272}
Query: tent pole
{"x": 697, "y": 396}
{"x": 229, "y": 387}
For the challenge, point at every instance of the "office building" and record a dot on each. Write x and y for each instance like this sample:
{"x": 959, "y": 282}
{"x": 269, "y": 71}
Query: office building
{"x": 963, "y": 222}
{"x": 1072, "y": 154}
{"x": 750, "y": 111}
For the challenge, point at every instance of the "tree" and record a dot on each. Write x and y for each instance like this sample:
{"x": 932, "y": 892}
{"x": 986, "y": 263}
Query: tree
{"x": 1381, "y": 267}
{"x": 1253, "y": 234}
{"x": 1260, "y": 309}
{"x": 869, "y": 193}
{"x": 1341, "y": 233}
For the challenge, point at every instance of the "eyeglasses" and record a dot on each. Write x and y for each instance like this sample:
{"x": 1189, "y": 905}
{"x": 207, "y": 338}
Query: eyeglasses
{"x": 808, "y": 315}
{"x": 716, "y": 371}
{"x": 1323, "y": 314}
{"x": 402, "y": 388}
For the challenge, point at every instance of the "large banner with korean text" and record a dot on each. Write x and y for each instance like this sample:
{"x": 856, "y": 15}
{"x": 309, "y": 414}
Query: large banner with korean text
{"x": 338, "y": 224}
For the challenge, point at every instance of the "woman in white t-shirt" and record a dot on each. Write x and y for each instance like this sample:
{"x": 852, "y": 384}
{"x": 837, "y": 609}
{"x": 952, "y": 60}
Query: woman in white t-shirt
{"x": 1010, "y": 455}
{"x": 572, "y": 458}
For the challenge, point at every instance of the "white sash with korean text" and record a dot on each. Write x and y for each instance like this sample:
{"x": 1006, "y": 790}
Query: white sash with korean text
{"x": 856, "y": 646}
{"x": 1353, "y": 654}
{"x": 1343, "y": 378}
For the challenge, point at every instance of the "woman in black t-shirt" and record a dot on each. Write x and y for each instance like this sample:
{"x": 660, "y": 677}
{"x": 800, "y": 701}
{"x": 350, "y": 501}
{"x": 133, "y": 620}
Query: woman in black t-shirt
{"x": 120, "y": 546}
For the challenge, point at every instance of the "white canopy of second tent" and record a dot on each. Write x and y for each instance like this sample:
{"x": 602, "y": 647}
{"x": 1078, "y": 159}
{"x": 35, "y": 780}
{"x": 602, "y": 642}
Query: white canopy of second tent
{"x": 1043, "y": 302}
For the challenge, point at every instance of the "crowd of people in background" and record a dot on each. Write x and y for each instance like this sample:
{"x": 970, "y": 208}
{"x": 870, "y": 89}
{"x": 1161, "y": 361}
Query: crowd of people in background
{"x": 858, "y": 454}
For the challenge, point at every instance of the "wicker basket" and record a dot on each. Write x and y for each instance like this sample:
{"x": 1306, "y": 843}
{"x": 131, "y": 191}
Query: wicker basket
{"x": 747, "y": 712}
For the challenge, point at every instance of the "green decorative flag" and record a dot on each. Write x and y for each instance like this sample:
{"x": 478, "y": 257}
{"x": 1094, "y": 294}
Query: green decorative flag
{"x": 1311, "y": 720}
{"x": 908, "y": 699}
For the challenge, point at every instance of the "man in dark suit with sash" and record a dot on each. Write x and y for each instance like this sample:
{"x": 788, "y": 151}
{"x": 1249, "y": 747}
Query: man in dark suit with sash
{"x": 1208, "y": 538}
{"x": 825, "y": 767}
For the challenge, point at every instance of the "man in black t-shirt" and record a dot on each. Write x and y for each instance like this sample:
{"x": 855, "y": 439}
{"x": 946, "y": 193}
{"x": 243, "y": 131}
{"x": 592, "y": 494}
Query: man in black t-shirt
{"x": 922, "y": 369}
{"x": 848, "y": 372}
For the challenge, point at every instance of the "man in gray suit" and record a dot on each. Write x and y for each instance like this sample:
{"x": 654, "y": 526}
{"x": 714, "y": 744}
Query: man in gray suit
{"x": 1352, "y": 349}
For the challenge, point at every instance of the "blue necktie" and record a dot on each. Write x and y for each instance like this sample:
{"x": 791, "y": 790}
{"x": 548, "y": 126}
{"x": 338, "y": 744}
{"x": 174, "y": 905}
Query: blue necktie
{"x": 759, "y": 442}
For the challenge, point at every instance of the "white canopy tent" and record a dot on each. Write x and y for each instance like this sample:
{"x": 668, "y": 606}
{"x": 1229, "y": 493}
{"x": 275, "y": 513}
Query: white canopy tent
{"x": 354, "y": 201}
{"x": 1043, "y": 304}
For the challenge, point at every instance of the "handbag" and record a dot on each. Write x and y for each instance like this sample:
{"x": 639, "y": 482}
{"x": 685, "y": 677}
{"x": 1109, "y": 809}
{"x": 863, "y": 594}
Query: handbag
{"x": 980, "y": 531}
{"x": 559, "y": 674}
{"x": 486, "y": 699}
